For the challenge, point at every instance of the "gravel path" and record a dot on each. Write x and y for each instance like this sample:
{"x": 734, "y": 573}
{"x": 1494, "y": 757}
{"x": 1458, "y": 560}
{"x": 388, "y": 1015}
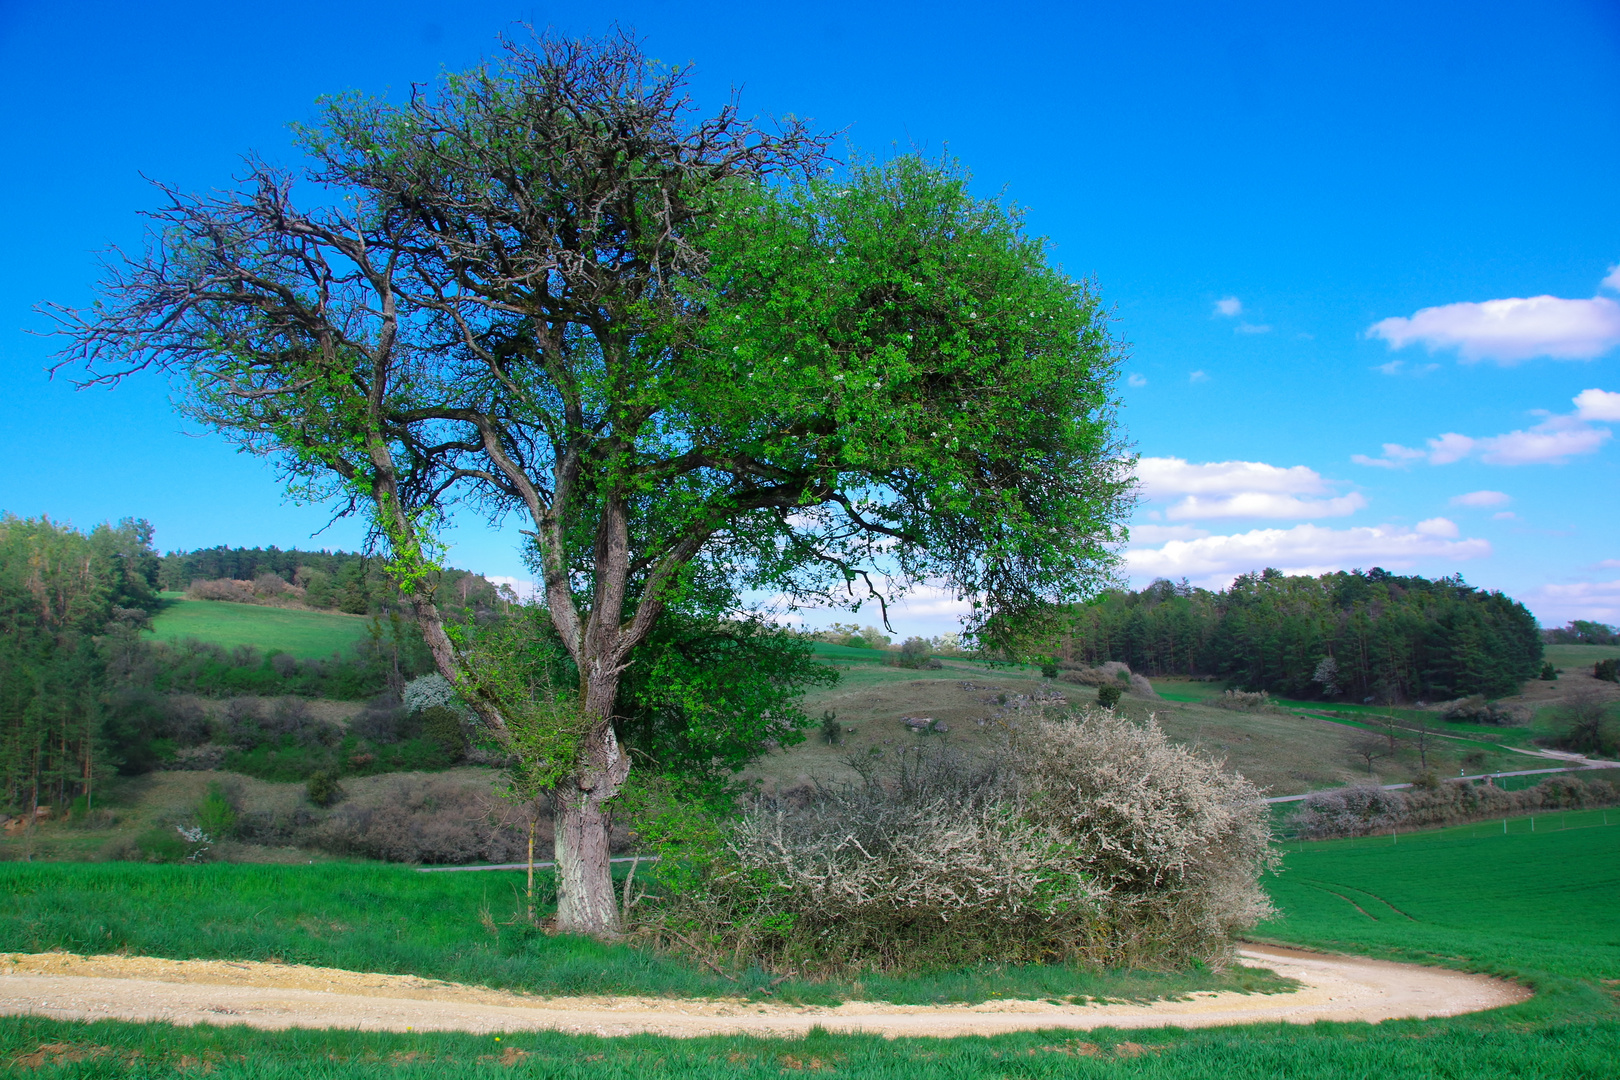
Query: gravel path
{"x": 71, "y": 987}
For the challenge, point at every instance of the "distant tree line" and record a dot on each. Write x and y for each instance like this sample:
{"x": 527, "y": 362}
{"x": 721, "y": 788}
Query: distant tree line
{"x": 1350, "y": 636}
{"x": 344, "y": 581}
{"x": 1582, "y": 632}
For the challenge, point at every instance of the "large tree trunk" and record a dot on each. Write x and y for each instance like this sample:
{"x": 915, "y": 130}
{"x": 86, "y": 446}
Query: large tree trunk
{"x": 585, "y": 900}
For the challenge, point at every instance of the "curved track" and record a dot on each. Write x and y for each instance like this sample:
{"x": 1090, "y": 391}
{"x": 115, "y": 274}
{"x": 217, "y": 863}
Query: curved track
{"x": 71, "y": 987}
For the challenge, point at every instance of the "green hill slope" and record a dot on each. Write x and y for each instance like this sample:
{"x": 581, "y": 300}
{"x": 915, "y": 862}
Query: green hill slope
{"x": 304, "y": 634}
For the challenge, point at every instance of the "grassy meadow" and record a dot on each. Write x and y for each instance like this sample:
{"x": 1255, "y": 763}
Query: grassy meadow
{"x": 307, "y": 635}
{"x": 1538, "y": 907}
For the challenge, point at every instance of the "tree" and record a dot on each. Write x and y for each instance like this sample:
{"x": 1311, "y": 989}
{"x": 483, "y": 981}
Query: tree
{"x": 1371, "y": 748}
{"x": 547, "y": 289}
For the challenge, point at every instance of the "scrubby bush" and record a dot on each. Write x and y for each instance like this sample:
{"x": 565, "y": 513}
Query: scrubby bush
{"x": 1476, "y": 710}
{"x": 443, "y": 725}
{"x": 420, "y": 820}
{"x": 1606, "y": 670}
{"x": 1108, "y": 696}
{"x": 1548, "y": 672}
{"x": 428, "y": 692}
{"x": 216, "y": 814}
{"x": 1085, "y": 839}
{"x": 1585, "y": 723}
{"x": 322, "y": 788}
{"x": 832, "y": 733}
{"x": 1243, "y": 701}
{"x": 1363, "y": 810}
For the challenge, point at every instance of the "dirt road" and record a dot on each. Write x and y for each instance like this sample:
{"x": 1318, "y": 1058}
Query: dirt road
{"x": 280, "y": 996}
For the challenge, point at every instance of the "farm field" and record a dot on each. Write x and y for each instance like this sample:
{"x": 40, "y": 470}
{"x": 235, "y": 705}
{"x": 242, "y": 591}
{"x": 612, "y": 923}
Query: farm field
{"x": 1535, "y": 907}
{"x": 307, "y": 635}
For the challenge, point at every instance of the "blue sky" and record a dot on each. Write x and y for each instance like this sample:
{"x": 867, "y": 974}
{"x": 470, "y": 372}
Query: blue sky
{"x": 1313, "y": 223}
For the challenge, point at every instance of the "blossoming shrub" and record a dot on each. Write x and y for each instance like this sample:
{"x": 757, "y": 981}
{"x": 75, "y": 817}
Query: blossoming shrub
{"x": 1084, "y": 839}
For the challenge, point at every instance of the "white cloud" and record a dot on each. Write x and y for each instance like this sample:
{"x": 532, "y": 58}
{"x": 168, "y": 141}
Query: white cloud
{"x": 1510, "y": 330}
{"x": 1395, "y": 456}
{"x": 1230, "y": 489}
{"x": 1264, "y": 504}
{"x": 1482, "y": 500}
{"x": 1229, "y": 306}
{"x": 1505, "y": 515}
{"x": 1555, "y": 605}
{"x": 1198, "y": 376}
{"x": 1395, "y": 367}
{"x": 1597, "y": 404}
{"x": 1438, "y": 526}
{"x": 1158, "y": 534}
{"x": 1613, "y": 280}
{"x": 1137, "y": 379}
{"x": 1554, "y": 441}
{"x": 1166, "y": 476}
{"x": 1303, "y": 549}
{"x": 1250, "y": 328}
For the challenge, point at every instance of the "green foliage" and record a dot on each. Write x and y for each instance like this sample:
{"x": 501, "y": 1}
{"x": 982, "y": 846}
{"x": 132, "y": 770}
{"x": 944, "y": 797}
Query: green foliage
{"x": 1548, "y": 672}
{"x": 1391, "y": 637}
{"x": 1606, "y": 670}
{"x": 1108, "y": 695}
{"x": 443, "y": 725}
{"x": 216, "y": 814}
{"x": 1583, "y": 632}
{"x": 163, "y": 844}
{"x": 832, "y": 732}
{"x": 70, "y": 604}
{"x": 323, "y": 789}
{"x": 963, "y": 385}
{"x": 704, "y": 697}
{"x": 1049, "y": 671}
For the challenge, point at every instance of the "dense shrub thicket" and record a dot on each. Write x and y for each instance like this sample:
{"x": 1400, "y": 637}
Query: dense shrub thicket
{"x": 1366, "y": 809}
{"x": 1085, "y": 839}
{"x": 1339, "y": 636}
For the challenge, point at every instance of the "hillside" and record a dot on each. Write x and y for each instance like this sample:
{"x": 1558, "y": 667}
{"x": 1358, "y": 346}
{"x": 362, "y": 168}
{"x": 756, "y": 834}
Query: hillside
{"x": 307, "y": 635}
{"x": 1286, "y": 752}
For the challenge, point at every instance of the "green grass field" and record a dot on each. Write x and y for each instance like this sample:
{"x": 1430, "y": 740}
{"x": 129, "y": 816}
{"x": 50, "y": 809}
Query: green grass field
{"x": 1539, "y": 907}
{"x": 369, "y": 917}
{"x": 305, "y": 634}
{"x": 1571, "y": 657}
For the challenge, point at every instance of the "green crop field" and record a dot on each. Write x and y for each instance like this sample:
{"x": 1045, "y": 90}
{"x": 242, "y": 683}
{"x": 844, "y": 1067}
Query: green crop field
{"x": 304, "y": 634}
{"x": 1537, "y": 906}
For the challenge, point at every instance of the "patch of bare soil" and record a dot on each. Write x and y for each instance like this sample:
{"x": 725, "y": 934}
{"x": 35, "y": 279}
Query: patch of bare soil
{"x": 263, "y": 995}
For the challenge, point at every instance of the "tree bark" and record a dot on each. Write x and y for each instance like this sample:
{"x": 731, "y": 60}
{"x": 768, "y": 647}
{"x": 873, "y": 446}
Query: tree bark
{"x": 585, "y": 900}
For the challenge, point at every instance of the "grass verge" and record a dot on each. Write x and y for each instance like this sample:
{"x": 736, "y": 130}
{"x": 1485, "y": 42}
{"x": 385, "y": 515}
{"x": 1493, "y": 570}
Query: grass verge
{"x": 463, "y": 928}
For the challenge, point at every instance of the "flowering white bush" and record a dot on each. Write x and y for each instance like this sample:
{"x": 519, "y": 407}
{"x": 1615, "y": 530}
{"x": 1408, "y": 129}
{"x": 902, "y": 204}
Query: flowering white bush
{"x": 428, "y": 691}
{"x": 1087, "y": 838}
